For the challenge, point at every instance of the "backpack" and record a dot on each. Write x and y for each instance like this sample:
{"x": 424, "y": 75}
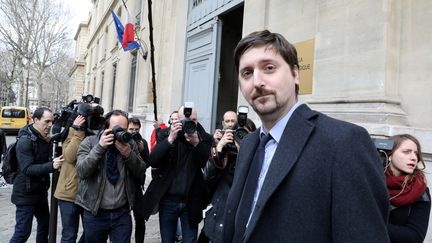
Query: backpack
{"x": 10, "y": 162}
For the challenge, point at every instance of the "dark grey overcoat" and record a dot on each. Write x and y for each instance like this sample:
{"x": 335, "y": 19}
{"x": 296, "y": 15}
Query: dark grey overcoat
{"x": 325, "y": 184}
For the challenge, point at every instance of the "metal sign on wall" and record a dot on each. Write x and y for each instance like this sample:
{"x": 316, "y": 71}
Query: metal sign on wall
{"x": 305, "y": 54}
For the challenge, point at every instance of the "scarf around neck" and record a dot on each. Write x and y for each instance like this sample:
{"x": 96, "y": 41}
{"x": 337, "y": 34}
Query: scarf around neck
{"x": 403, "y": 195}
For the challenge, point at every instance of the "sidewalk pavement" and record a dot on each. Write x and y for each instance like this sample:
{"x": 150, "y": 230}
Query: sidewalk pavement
{"x": 7, "y": 214}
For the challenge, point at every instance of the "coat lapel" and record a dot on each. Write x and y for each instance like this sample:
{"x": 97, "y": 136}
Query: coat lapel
{"x": 293, "y": 140}
{"x": 243, "y": 164}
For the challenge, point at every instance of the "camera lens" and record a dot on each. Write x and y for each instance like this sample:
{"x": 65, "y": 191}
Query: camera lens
{"x": 189, "y": 127}
{"x": 136, "y": 136}
{"x": 240, "y": 134}
{"x": 121, "y": 135}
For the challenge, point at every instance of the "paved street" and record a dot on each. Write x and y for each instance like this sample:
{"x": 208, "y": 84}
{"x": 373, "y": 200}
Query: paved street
{"x": 7, "y": 214}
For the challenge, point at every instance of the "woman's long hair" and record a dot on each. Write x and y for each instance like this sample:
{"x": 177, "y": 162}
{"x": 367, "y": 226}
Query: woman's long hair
{"x": 418, "y": 171}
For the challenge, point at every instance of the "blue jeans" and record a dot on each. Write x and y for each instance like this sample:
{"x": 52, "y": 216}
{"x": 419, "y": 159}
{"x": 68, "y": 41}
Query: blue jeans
{"x": 24, "y": 218}
{"x": 70, "y": 215}
{"x": 169, "y": 213}
{"x": 116, "y": 223}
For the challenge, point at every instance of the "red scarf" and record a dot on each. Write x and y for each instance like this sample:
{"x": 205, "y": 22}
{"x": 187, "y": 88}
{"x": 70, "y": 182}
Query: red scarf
{"x": 410, "y": 194}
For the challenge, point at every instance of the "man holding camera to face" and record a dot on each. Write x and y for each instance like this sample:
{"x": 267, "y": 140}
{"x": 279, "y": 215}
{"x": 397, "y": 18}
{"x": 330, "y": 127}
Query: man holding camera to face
{"x": 140, "y": 227}
{"x": 178, "y": 189}
{"x": 219, "y": 170}
{"x": 108, "y": 165}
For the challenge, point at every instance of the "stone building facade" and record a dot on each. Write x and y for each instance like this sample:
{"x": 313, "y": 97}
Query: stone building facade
{"x": 370, "y": 59}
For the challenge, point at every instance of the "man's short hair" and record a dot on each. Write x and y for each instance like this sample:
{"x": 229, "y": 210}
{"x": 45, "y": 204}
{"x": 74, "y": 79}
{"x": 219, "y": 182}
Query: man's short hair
{"x": 135, "y": 121}
{"x": 38, "y": 113}
{"x": 273, "y": 40}
{"x": 108, "y": 116}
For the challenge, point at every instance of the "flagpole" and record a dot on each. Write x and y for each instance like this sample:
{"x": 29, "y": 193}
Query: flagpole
{"x": 150, "y": 19}
{"x": 144, "y": 54}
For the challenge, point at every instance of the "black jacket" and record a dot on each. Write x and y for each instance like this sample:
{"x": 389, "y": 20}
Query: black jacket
{"x": 409, "y": 224}
{"x": 166, "y": 158}
{"x": 219, "y": 181}
{"x": 34, "y": 165}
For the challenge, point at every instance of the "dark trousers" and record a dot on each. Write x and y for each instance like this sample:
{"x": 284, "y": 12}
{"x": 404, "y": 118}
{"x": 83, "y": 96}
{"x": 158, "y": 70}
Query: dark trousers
{"x": 140, "y": 228}
{"x": 116, "y": 223}
{"x": 70, "y": 216}
{"x": 24, "y": 218}
{"x": 169, "y": 213}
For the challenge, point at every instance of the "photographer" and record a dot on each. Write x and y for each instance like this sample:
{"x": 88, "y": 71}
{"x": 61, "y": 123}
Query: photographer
{"x": 134, "y": 128}
{"x": 107, "y": 167}
{"x": 219, "y": 173}
{"x": 67, "y": 184}
{"x": 178, "y": 189}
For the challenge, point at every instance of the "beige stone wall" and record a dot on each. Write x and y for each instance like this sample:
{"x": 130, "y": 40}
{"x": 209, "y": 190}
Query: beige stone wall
{"x": 371, "y": 58}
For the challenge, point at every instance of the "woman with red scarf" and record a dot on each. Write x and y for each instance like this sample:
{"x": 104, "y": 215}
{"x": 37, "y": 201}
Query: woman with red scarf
{"x": 409, "y": 195}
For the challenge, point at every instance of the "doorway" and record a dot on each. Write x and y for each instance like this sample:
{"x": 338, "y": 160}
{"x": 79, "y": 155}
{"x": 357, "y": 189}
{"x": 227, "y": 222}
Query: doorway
{"x": 231, "y": 34}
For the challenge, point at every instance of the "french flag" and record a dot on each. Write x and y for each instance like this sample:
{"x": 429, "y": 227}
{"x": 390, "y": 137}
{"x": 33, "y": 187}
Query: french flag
{"x": 125, "y": 35}
{"x": 128, "y": 35}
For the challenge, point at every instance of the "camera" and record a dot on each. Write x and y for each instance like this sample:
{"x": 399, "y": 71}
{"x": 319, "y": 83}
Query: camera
{"x": 188, "y": 126}
{"x": 239, "y": 132}
{"x": 136, "y": 136}
{"x": 68, "y": 113}
{"x": 383, "y": 146}
{"x": 121, "y": 135}
{"x": 88, "y": 98}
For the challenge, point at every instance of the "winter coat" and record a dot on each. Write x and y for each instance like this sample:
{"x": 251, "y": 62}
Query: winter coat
{"x": 91, "y": 173}
{"x": 67, "y": 185}
{"x": 32, "y": 182}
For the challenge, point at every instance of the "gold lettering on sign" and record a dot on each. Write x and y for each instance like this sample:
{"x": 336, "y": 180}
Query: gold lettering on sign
{"x": 305, "y": 54}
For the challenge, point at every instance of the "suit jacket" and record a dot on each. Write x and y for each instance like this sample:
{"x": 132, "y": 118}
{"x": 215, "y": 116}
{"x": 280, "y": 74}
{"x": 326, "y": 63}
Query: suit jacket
{"x": 325, "y": 184}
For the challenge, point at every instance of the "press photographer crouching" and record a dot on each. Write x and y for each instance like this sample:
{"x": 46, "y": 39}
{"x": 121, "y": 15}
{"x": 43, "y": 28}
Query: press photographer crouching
{"x": 219, "y": 170}
{"x": 87, "y": 120}
{"x": 108, "y": 165}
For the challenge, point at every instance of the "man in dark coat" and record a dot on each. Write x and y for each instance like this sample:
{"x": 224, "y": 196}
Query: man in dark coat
{"x": 178, "y": 187}
{"x": 30, "y": 188}
{"x": 317, "y": 179}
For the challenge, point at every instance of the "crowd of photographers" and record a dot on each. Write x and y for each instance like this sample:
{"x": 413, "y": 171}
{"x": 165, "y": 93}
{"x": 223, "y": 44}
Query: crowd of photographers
{"x": 100, "y": 161}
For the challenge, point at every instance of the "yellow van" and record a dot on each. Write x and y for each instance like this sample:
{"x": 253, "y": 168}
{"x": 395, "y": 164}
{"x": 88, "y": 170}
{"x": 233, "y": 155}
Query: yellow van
{"x": 13, "y": 118}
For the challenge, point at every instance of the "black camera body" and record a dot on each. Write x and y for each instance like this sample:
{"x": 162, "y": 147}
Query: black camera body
{"x": 136, "y": 136}
{"x": 188, "y": 126}
{"x": 121, "y": 134}
{"x": 384, "y": 147}
{"x": 239, "y": 132}
{"x": 92, "y": 114}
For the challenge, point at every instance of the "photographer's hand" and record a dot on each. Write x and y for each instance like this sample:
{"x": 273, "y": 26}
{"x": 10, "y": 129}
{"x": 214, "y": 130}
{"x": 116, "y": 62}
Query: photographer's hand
{"x": 140, "y": 146}
{"x": 124, "y": 149}
{"x": 106, "y": 139}
{"x": 57, "y": 162}
{"x": 192, "y": 138}
{"x": 217, "y": 135}
{"x": 79, "y": 120}
{"x": 175, "y": 128}
{"x": 227, "y": 138}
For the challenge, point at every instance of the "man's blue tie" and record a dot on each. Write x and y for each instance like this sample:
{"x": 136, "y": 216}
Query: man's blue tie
{"x": 245, "y": 207}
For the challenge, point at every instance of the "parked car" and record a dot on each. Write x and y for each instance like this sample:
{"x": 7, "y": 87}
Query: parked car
{"x": 13, "y": 118}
